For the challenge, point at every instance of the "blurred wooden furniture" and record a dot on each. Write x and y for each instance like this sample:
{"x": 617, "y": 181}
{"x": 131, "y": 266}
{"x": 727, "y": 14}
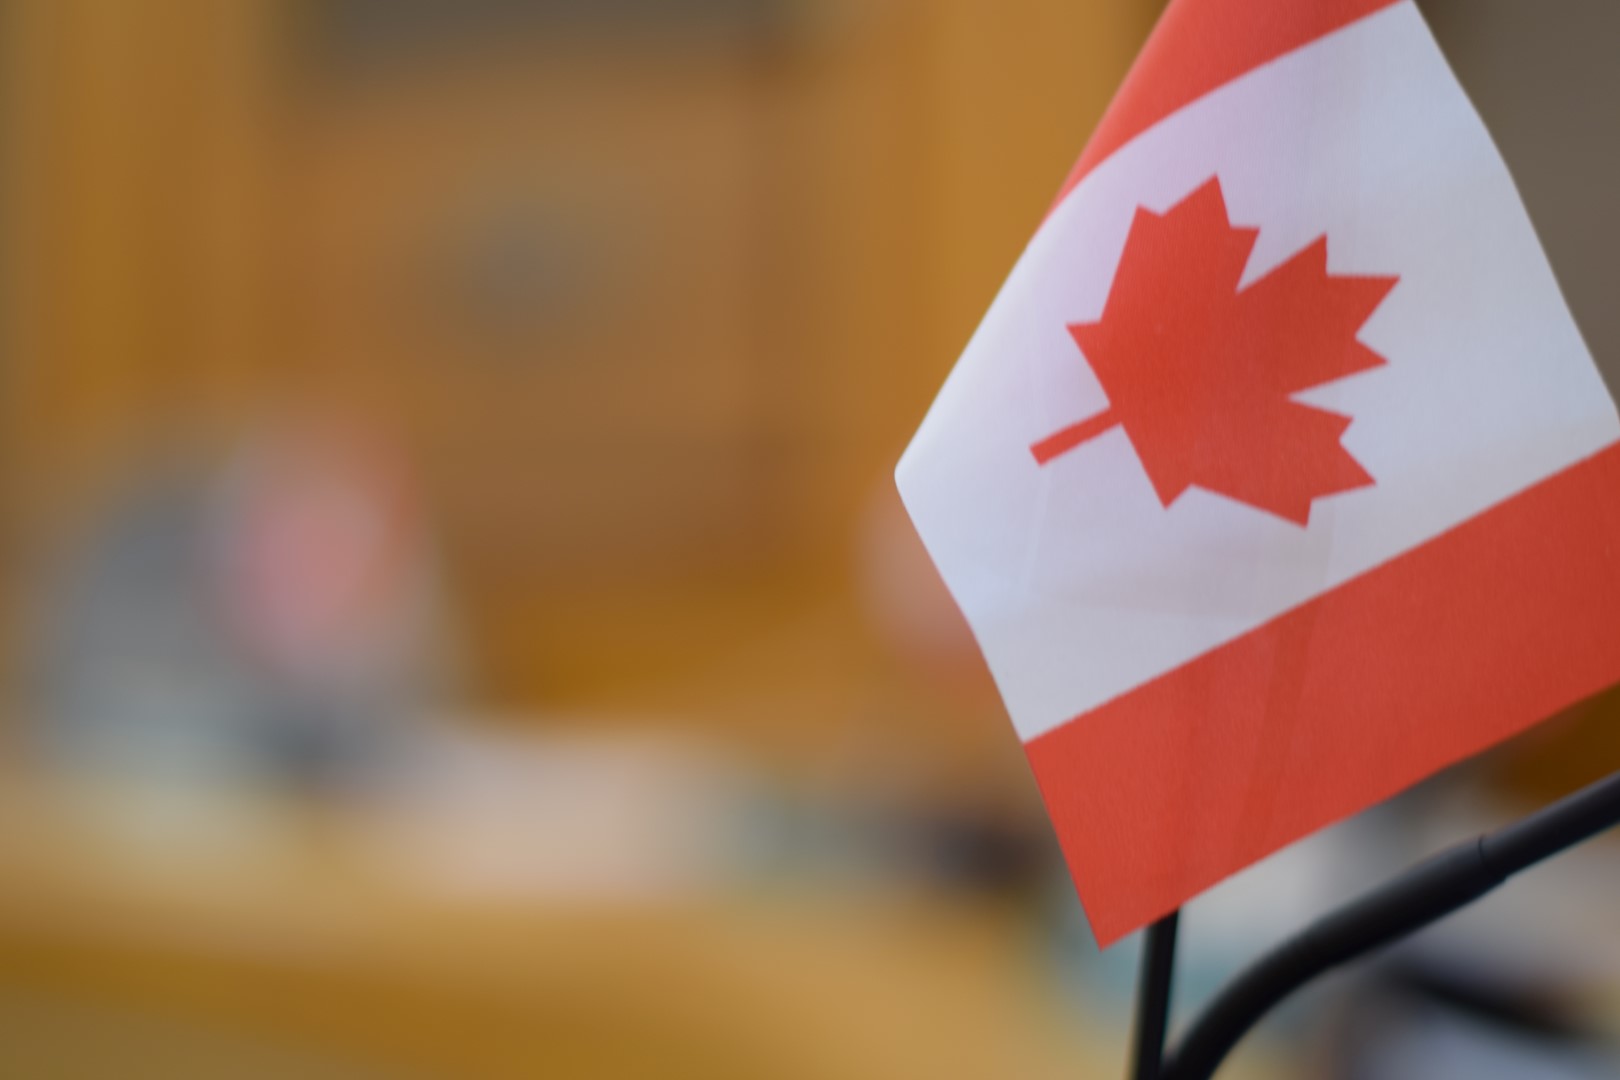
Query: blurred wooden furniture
{"x": 653, "y": 300}
{"x": 273, "y": 941}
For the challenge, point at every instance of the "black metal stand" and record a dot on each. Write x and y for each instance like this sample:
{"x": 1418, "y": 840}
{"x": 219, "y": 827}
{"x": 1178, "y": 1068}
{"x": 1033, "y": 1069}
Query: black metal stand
{"x": 1153, "y": 996}
{"x": 1389, "y": 912}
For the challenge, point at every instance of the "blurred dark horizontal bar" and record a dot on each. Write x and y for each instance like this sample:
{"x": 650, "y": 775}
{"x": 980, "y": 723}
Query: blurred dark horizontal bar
{"x": 363, "y": 32}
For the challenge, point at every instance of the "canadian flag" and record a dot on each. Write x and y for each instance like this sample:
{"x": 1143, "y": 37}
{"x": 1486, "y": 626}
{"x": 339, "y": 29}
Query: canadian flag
{"x": 1278, "y": 476}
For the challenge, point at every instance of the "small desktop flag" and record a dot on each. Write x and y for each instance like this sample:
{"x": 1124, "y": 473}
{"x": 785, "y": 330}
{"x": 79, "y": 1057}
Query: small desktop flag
{"x": 1278, "y": 476}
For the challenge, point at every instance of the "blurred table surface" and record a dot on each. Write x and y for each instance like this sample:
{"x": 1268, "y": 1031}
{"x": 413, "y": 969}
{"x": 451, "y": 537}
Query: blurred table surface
{"x": 269, "y": 943}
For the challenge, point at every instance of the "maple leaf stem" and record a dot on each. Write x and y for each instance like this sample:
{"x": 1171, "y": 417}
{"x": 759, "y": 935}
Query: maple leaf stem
{"x": 1072, "y": 436}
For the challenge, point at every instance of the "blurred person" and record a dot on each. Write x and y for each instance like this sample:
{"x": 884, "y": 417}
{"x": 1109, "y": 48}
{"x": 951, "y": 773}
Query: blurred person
{"x": 281, "y": 615}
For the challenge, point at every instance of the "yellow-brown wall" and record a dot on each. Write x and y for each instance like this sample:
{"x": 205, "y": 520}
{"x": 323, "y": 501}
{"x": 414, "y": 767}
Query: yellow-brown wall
{"x": 771, "y": 244}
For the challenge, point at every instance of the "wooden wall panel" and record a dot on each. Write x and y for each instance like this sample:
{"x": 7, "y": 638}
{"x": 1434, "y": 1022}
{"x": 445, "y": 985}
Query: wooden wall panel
{"x": 654, "y": 314}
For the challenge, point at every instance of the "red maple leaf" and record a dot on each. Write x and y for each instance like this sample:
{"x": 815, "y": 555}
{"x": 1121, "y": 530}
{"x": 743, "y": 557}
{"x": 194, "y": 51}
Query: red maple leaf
{"x": 1200, "y": 374}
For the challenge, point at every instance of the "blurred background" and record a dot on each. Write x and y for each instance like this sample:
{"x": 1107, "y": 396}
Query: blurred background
{"x": 455, "y": 616}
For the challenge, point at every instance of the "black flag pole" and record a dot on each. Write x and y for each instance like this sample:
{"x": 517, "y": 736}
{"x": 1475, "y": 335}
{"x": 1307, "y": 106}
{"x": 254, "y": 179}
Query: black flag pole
{"x": 1409, "y": 902}
{"x": 1153, "y": 989}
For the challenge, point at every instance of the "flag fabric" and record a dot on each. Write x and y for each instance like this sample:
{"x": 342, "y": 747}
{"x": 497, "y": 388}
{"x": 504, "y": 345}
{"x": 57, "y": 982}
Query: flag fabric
{"x": 1278, "y": 476}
